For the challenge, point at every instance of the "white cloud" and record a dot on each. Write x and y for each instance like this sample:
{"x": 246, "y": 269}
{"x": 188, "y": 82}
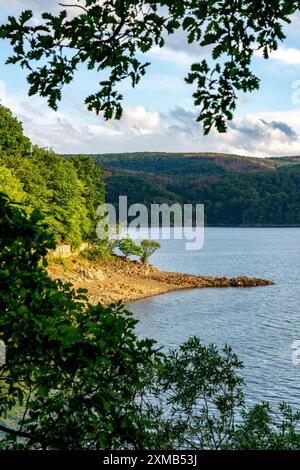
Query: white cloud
{"x": 142, "y": 129}
{"x": 154, "y": 82}
{"x": 167, "y": 54}
{"x": 266, "y": 134}
{"x": 286, "y": 55}
{"x": 138, "y": 117}
{"x": 14, "y": 7}
{"x": 82, "y": 132}
{"x": 178, "y": 50}
{"x": 295, "y": 23}
{"x": 259, "y": 135}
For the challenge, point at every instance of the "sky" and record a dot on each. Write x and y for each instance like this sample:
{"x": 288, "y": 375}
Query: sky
{"x": 159, "y": 115}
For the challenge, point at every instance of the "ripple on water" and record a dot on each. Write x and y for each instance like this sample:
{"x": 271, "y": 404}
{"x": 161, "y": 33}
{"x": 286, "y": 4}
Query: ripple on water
{"x": 259, "y": 323}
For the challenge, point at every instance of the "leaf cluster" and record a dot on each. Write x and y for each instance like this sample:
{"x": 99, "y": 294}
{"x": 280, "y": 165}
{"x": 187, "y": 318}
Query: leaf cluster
{"x": 111, "y": 36}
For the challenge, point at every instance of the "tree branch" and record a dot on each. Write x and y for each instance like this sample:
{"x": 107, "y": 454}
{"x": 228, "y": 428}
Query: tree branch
{"x": 122, "y": 20}
{"x": 73, "y": 6}
{"x": 14, "y": 432}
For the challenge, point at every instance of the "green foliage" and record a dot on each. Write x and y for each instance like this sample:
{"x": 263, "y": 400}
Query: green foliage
{"x": 128, "y": 247}
{"x": 201, "y": 389}
{"x": 53, "y": 187}
{"x": 10, "y": 185}
{"x": 102, "y": 251}
{"x": 120, "y": 30}
{"x": 201, "y": 392}
{"x": 148, "y": 248}
{"x": 75, "y": 369}
{"x": 266, "y": 198}
{"x": 93, "y": 190}
{"x": 137, "y": 189}
{"x": 66, "y": 192}
{"x": 12, "y": 140}
{"x": 180, "y": 164}
{"x": 234, "y": 190}
{"x": 262, "y": 429}
{"x": 62, "y": 261}
{"x": 66, "y": 211}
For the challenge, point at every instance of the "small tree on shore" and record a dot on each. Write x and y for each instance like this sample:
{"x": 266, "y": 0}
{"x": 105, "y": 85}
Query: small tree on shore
{"x": 129, "y": 248}
{"x": 148, "y": 248}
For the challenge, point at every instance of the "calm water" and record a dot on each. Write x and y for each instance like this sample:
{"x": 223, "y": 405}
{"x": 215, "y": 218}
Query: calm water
{"x": 259, "y": 323}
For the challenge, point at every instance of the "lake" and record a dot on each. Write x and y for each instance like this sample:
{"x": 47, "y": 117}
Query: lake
{"x": 260, "y": 323}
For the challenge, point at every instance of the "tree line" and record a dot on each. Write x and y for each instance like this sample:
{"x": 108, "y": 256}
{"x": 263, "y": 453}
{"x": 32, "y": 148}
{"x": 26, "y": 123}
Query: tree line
{"x": 262, "y": 198}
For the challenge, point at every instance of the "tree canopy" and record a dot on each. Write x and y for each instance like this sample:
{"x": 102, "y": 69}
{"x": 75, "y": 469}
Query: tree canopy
{"x": 234, "y": 190}
{"x": 66, "y": 192}
{"x": 11, "y": 186}
{"x": 149, "y": 247}
{"x": 93, "y": 189}
{"x": 12, "y": 139}
{"x": 110, "y": 36}
{"x": 128, "y": 247}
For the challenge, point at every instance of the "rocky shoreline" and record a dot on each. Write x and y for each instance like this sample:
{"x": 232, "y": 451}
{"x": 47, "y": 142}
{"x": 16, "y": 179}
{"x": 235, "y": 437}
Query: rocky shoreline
{"x": 127, "y": 280}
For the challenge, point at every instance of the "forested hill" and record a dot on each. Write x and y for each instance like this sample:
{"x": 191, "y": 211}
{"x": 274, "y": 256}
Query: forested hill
{"x": 183, "y": 163}
{"x": 236, "y": 190}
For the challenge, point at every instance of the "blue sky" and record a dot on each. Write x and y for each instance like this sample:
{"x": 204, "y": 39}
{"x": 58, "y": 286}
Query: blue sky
{"x": 159, "y": 114}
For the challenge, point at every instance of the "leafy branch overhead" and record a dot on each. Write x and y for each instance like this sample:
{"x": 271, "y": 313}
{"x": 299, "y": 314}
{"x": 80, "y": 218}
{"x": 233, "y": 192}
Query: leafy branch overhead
{"x": 110, "y": 36}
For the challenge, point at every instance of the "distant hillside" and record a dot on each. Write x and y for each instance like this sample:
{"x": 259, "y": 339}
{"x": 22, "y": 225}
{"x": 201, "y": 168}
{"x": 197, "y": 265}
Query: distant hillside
{"x": 295, "y": 158}
{"x": 196, "y": 164}
{"x": 235, "y": 190}
{"x": 287, "y": 163}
